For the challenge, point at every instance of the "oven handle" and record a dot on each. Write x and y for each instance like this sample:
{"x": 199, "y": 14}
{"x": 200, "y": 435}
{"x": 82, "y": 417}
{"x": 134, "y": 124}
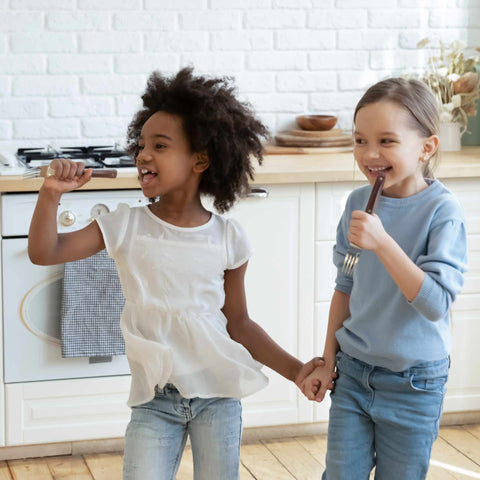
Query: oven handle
{"x": 25, "y": 303}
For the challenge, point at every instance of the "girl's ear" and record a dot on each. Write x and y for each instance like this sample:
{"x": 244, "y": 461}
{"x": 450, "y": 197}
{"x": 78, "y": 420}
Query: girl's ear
{"x": 430, "y": 146}
{"x": 201, "y": 162}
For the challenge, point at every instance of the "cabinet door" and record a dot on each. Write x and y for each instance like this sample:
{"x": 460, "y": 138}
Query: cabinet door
{"x": 463, "y": 389}
{"x": 2, "y": 405}
{"x": 279, "y": 288}
{"x": 330, "y": 203}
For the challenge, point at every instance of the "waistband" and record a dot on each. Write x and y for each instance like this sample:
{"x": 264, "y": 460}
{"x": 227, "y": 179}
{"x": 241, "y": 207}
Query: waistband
{"x": 432, "y": 368}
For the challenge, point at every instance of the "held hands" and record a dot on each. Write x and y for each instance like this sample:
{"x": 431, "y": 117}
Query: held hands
{"x": 315, "y": 378}
{"x": 318, "y": 382}
{"x": 366, "y": 231}
{"x": 68, "y": 176}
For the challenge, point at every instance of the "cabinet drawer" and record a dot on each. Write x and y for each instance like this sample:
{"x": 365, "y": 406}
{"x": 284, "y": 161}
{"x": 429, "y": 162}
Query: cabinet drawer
{"x": 66, "y": 410}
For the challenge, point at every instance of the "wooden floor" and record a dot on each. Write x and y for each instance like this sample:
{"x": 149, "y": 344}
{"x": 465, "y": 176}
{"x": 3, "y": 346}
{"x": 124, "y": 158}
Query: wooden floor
{"x": 456, "y": 455}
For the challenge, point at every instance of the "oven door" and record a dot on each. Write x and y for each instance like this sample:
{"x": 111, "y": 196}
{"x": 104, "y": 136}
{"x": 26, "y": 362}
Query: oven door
{"x": 31, "y": 318}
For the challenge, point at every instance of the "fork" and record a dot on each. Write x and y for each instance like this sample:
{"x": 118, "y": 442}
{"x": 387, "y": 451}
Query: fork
{"x": 47, "y": 171}
{"x": 353, "y": 251}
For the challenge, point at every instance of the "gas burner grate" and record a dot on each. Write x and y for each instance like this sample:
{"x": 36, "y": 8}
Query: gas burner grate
{"x": 98, "y": 156}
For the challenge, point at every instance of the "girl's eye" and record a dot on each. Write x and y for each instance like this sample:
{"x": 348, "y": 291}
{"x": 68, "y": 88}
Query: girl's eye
{"x": 359, "y": 141}
{"x": 159, "y": 145}
{"x": 387, "y": 141}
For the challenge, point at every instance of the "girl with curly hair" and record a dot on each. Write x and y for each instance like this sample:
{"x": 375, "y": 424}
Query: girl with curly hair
{"x": 192, "y": 348}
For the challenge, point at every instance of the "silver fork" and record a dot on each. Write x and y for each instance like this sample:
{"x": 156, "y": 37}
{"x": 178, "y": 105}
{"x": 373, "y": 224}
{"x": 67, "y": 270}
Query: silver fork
{"x": 354, "y": 251}
{"x": 47, "y": 171}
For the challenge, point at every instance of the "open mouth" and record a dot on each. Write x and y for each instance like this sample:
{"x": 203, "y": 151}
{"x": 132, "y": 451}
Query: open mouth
{"x": 146, "y": 176}
{"x": 379, "y": 170}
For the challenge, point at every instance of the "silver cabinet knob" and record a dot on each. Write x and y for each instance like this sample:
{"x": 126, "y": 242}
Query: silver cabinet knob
{"x": 67, "y": 218}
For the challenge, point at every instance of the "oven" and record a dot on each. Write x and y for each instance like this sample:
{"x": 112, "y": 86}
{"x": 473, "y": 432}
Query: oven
{"x": 32, "y": 294}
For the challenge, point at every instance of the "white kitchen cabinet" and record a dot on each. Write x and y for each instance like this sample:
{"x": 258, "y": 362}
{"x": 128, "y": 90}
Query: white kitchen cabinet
{"x": 66, "y": 410}
{"x": 463, "y": 392}
{"x": 279, "y": 287}
{"x": 330, "y": 202}
{"x": 2, "y": 391}
{"x": 289, "y": 283}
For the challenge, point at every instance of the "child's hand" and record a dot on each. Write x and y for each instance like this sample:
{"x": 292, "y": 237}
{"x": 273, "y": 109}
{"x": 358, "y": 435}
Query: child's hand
{"x": 68, "y": 175}
{"x": 307, "y": 369}
{"x": 366, "y": 230}
{"x": 318, "y": 382}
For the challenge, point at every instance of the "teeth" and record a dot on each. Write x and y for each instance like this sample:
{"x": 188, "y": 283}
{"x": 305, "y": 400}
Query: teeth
{"x": 377, "y": 169}
{"x": 144, "y": 170}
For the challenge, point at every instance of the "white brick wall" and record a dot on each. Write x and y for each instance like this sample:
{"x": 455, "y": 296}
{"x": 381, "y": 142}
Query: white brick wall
{"x": 72, "y": 71}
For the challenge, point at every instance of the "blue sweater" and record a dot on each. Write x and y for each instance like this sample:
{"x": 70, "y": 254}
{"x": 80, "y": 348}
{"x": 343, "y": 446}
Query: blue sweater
{"x": 384, "y": 329}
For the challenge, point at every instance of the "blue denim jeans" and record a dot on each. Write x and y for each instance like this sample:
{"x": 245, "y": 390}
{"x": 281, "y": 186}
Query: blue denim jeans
{"x": 383, "y": 418}
{"x": 157, "y": 433}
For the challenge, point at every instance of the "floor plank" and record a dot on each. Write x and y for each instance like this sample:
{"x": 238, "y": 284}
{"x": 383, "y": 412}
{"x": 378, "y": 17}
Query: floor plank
{"x": 463, "y": 441}
{"x": 455, "y": 456}
{"x": 31, "y": 469}
{"x": 316, "y": 445}
{"x": 262, "y": 463}
{"x": 245, "y": 474}
{"x": 68, "y": 468}
{"x": 4, "y": 471}
{"x": 105, "y": 466}
{"x": 296, "y": 459}
{"x": 473, "y": 429}
{"x": 448, "y": 459}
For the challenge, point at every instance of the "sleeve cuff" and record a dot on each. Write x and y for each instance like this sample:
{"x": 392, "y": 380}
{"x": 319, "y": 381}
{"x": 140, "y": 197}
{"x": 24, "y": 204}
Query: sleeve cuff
{"x": 422, "y": 301}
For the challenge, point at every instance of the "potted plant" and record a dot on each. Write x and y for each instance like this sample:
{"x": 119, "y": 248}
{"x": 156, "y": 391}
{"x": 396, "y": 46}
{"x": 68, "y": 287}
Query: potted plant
{"x": 453, "y": 79}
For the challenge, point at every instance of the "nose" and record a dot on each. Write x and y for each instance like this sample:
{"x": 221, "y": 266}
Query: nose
{"x": 372, "y": 152}
{"x": 144, "y": 156}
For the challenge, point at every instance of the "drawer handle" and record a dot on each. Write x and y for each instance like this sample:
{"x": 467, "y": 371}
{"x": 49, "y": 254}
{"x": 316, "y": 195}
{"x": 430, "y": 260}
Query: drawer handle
{"x": 258, "y": 193}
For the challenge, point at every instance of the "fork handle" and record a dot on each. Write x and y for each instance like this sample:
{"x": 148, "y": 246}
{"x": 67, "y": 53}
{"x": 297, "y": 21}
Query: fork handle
{"x": 375, "y": 195}
{"x": 104, "y": 172}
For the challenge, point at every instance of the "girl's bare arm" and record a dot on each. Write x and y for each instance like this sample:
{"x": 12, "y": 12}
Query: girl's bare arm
{"x": 45, "y": 245}
{"x": 339, "y": 312}
{"x": 253, "y": 337}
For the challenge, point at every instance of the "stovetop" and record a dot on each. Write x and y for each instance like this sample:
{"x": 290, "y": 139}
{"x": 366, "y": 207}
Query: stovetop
{"x": 101, "y": 156}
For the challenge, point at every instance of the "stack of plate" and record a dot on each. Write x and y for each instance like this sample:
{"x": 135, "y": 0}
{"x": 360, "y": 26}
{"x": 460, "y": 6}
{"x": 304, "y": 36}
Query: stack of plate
{"x": 315, "y": 139}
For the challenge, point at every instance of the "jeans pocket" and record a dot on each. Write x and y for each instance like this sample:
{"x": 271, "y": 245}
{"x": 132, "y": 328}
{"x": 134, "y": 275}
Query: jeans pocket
{"x": 338, "y": 356}
{"x": 428, "y": 384}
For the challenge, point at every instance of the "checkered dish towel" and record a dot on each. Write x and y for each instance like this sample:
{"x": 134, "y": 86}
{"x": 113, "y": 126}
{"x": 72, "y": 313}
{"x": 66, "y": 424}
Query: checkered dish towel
{"x": 92, "y": 303}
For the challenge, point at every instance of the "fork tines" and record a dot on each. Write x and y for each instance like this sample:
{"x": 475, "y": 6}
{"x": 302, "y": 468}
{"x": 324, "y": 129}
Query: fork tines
{"x": 33, "y": 172}
{"x": 351, "y": 259}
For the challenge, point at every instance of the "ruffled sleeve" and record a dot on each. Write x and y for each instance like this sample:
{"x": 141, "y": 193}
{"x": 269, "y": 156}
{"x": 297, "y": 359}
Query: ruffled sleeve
{"x": 113, "y": 226}
{"x": 239, "y": 249}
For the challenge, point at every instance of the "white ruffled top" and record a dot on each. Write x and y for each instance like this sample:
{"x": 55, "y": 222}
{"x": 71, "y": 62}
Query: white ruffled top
{"x": 172, "y": 279}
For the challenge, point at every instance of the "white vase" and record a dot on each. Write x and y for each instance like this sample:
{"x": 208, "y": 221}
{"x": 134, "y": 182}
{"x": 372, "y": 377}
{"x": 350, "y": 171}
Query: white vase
{"x": 450, "y": 136}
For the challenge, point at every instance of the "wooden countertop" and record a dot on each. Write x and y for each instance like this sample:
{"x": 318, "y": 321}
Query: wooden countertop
{"x": 291, "y": 168}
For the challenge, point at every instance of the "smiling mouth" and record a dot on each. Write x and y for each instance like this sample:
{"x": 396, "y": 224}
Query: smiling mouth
{"x": 378, "y": 170}
{"x": 146, "y": 176}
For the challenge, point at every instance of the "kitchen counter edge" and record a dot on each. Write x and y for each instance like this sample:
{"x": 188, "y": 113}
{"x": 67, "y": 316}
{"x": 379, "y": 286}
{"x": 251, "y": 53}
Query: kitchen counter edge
{"x": 278, "y": 169}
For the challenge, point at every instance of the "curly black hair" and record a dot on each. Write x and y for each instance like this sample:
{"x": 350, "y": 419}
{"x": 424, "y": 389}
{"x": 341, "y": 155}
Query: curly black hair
{"x": 214, "y": 121}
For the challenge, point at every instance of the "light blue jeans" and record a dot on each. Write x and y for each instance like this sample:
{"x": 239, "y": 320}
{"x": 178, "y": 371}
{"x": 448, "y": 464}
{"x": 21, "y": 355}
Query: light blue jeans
{"x": 383, "y": 418}
{"x": 157, "y": 433}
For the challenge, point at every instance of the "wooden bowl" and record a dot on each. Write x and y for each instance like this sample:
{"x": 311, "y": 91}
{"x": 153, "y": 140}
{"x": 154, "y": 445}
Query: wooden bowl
{"x": 316, "y": 122}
